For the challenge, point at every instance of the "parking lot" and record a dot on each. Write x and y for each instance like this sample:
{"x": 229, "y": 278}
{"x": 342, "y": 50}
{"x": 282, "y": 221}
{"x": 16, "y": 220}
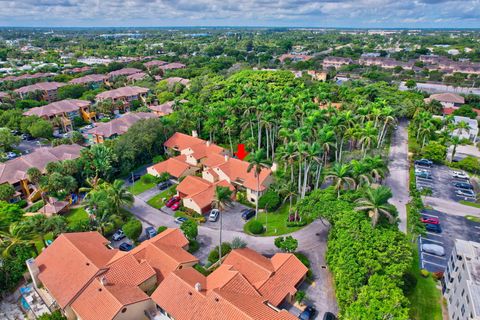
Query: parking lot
{"x": 453, "y": 227}
{"x": 440, "y": 181}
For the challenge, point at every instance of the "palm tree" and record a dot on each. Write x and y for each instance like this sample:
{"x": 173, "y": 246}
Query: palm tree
{"x": 16, "y": 234}
{"x": 257, "y": 164}
{"x": 119, "y": 196}
{"x": 341, "y": 175}
{"x": 288, "y": 191}
{"x": 221, "y": 201}
{"x": 455, "y": 141}
{"x": 376, "y": 204}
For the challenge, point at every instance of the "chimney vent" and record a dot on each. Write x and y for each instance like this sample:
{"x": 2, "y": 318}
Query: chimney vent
{"x": 194, "y": 134}
{"x": 103, "y": 281}
{"x": 226, "y": 157}
{"x": 198, "y": 287}
{"x": 208, "y": 143}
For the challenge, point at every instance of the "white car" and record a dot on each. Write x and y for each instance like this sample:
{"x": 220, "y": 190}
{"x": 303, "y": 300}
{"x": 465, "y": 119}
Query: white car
{"x": 433, "y": 249}
{"x": 213, "y": 216}
{"x": 459, "y": 175}
{"x": 465, "y": 193}
{"x": 11, "y": 155}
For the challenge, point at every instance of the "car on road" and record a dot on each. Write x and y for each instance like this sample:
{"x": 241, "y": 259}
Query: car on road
{"x": 308, "y": 313}
{"x": 459, "y": 175}
{"x": 175, "y": 206}
{"x": 125, "y": 247}
{"x": 247, "y": 214}
{"x": 463, "y": 185}
{"x": 27, "y": 137}
{"x": 423, "y": 174}
{"x": 433, "y": 249}
{"x": 213, "y": 216}
{"x": 465, "y": 193}
{"x": 150, "y": 232}
{"x": 424, "y": 162}
{"x": 134, "y": 178}
{"x": 119, "y": 235}
{"x": 430, "y": 220}
{"x": 329, "y": 316}
{"x": 433, "y": 227}
{"x": 164, "y": 185}
{"x": 172, "y": 200}
{"x": 180, "y": 220}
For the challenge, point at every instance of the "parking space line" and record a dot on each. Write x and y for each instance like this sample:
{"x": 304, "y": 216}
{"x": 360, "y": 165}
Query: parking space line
{"x": 435, "y": 264}
{"x": 432, "y": 255}
{"x": 477, "y": 227}
{"x": 435, "y": 241}
{"x": 433, "y": 234}
{"x": 429, "y": 215}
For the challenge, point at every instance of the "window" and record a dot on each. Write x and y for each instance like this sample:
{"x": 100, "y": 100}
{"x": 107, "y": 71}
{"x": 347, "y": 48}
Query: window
{"x": 459, "y": 277}
{"x": 463, "y": 292}
{"x": 463, "y": 310}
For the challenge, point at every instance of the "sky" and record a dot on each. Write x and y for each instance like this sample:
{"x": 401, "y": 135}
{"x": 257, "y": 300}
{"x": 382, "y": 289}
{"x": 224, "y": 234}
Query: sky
{"x": 293, "y": 13}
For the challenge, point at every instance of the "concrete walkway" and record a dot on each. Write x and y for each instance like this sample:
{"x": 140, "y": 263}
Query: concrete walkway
{"x": 451, "y": 207}
{"x": 398, "y": 177}
{"x": 312, "y": 241}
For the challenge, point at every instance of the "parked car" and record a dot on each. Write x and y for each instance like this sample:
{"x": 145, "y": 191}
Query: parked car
{"x": 164, "y": 185}
{"x": 430, "y": 220}
{"x": 180, "y": 220}
{"x": 172, "y": 200}
{"x": 463, "y": 185}
{"x": 329, "y": 316}
{"x": 119, "y": 235}
{"x": 424, "y": 162}
{"x": 134, "y": 178}
{"x": 433, "y": 227}
{"x": 465, "y": 193}
{"x": 175, "y": 206}
{"x": 11, "y": 155}
{"x": 248, "y": 214}
{"x": 150, "y": 232}
{"x": 125, "y": 247}
{"x": 308, "y": 313}
{"x": 433, "y": 249}
{"x": 27, "y": 136}
{"x": 420, "y": 170}
{"x": 459, "y": 175}
{"x": 423, "y": 174}
{"x": 213, "y": 216}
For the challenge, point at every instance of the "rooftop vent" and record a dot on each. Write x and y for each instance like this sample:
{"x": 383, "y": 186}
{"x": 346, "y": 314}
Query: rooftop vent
{"x": 198, "y": 287}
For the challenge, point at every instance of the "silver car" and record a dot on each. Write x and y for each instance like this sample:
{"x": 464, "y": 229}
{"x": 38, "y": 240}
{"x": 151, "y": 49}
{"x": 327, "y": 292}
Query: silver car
{"x": 213, "y": 215}
{"x": 433, "y": 249}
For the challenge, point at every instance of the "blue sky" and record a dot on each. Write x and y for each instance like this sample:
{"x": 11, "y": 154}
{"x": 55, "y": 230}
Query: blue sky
{"x": 333, "y": 13}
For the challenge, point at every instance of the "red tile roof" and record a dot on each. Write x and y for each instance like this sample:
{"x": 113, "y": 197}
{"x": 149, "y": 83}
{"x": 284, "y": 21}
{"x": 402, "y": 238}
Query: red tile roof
{"x": 89, "y": 79}
{"x": 201, "y": 191}
{"x": 42, "y": 86}
{"x": 58, "y": 107}
{"x": 124, "y": 72}
{"x": 176, "y": 166}
{"x": 182, "y": 141}
{"x": 122, "y": 92}
{"x": 120, "y": 125}
{"x": 154, "y": 63}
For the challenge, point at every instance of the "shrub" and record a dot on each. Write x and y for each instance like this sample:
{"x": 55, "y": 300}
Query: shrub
{"x": 213, "y": 256}
{"x": 36, "y": 206}
{"x": 133, "y": 229}
{"x": 193, "y": 246}
{"x": 300, "y": 296}
{"x": 256, "y": 227}
{"x": 409, "y": 282}
{"x": 434, "y": 151}
{"x": 424, "y": 273}
{"x": 470, "y": 164}
{"x": 109, "y": 230}
{"x": 22, "y": 203}
{"x": 238, "y": 243}
{"x": 161, "y": 229}
{"x": 270, "y": 201}
{"x": 148, "y": 178}
{"x": 286, "y": 244}
{"x": 303, "y": 259}
{"x": 297, "y": 223}
{"x": 201, "y": 269}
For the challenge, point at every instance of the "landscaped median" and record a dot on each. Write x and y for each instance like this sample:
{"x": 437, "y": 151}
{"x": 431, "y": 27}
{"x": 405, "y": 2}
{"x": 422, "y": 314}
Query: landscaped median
{"x": 274, "y": 223}
{"x": 145, "y": 183}
{"x": 158, "y": 200}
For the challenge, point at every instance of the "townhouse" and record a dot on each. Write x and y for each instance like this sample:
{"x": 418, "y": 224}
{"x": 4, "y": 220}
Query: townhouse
{"x": 95, "y": 81}
{"x": 461, "y": 281}
{"x": 448, "y": 100}
{"x": 295, "y": 57}
{"x": 116, "y": 127}
{"x": 27, "y": 76}
{"x": 154, "y": 63}
{"x": 122, "y": 73}
{"x": 162, "y": 109}
{"x": 172, "y": 66}
{"x": 336, "y": 62}
{"x": 386, "y": 63}
{"x": 124, "y": 94}
{"x": 62, "y": 113}
{"x": 48, "y": 90}
{"x": 156, "y": 280}
{"x": 14, "y": 171}
{"x": 173, "y": 80}
{"x": 195, "y": 155}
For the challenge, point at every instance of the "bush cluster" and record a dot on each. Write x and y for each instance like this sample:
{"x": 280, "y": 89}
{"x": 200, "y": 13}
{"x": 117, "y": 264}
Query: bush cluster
{"x": 256, "y": 227}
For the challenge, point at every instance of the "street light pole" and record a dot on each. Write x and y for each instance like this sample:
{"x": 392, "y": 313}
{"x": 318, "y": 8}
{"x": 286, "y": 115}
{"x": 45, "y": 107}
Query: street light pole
{"x": 220, "y": 245}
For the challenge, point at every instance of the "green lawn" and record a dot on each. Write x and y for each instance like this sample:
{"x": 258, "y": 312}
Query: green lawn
{"x": 274, "y": 222}
{"x": 76, "y": 214}
{"x": 470, "y": 204}
{"x": 425, "y": 299}
{"x": 140, "y": 186}
{"x": 157, "y": 201}
{"x": 473, "y": 218}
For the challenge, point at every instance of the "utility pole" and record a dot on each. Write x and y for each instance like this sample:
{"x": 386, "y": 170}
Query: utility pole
{"x": 220, "y": 245}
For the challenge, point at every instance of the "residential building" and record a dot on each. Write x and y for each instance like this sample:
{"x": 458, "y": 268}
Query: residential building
{"x": 318, "y": 75}
{"x": 48, "y": 89}
{"x": 124, "y": 94}
{"x": 78, "y": 70}
{"x": 176, "y": 167}
{"x": 61, "y": 113}
{"x": 27, "y": 76}
{"x": 154, "y": 63}
{"x": 162, "y": 109}
{"x": 123, "y": 73}
{"x": 93, "y": 80}
{"x": 136, "y": 77}
{"x": 4, "y": 96}
{"x": 448, "y": 100}
{"x": 173, "y": 80}
{"x": 14, "y": 171}
{"x": 461, "y": 281}
{"x": 386, "y": 63}
{"x": 172, "y": 66}
{"x": 294, "y": 57}
{"x": 336, "y": 62}
{"x": 246, "y": 286}
{"x": 97, "y": 282}
{"x": 116, "y": 127}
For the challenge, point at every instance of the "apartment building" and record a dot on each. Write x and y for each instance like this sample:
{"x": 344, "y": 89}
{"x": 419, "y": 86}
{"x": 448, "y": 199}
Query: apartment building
{"x": 336, "y": 62}
{"x": 48, "y": 90}
{"x": 93, "y": 80}
{"x": 461, "y": 281}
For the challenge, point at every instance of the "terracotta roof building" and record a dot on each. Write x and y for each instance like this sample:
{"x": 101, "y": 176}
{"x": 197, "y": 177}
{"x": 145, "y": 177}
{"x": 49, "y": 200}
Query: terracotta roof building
{"x": 48, "y": 90}
{"x": 172, "y": 80}
{"x": 14, "y": 171}
{"x": 448, "y": 100}
{"x": 27, "y": 77}
{"x": 125, "y": 95}
{"x": 136, "y": 76}
{"x": 123, "y": 72}
{"x": 162, "y": 109}
{"x": 336, "y": 62}
{"x": 154, "y": 63}
{"x": 172, "y": 66}
{"x": 100, "y": 283}
{"x": 94, "y": 80}
{"x": 116, "y": 127}
{"x": 176, "y": 167}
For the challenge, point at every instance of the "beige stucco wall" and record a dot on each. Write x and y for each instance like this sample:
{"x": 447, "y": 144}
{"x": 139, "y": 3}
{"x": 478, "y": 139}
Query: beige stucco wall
{"x": 207, "y": 176}
{"x": 136, "y": 311}
{"x": 69, "y": 313}
{"x": 190, "y": 204}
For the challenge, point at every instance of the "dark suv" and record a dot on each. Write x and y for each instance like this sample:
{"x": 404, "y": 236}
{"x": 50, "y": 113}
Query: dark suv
{"x": 424, "y": 162}
{"x": 247, "y": 214}
{"x": 164, "y": 185}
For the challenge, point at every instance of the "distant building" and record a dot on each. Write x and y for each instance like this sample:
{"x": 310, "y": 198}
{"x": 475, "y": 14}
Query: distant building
{"x": 448, "y": 100}
{"x": 123, "y": 73}
{"x": 461, "y": 281}
{"x": 125, "y": 95}
{"x": 318, "y": 75}
{"x": 295, "y": 57}
{"x": 336, "y": 62}
{"x": 93, "y": 80}
{"x": 48, "y": 90}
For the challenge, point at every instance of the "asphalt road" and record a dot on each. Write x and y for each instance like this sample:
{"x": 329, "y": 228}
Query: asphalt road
{"x": 398, "y": 177}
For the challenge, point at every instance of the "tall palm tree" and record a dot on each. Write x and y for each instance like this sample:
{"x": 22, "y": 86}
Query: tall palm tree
{"x": 375, "y": 202}
{"x": 119, "y": 196}
{"x": 257, "y": 164}
{"x": 455, "y": 141}
{"x": 341, "y": 175}
{"x": 221, "y": 201}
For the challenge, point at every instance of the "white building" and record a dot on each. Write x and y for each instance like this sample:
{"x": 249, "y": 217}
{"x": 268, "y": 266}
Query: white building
{"x": 461, "y": 282}
{"x": 471, "y": 133}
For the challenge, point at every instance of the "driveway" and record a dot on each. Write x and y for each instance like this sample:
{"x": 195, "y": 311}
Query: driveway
{"x": 312, "y": 241}
{"x": 398, "y": 177}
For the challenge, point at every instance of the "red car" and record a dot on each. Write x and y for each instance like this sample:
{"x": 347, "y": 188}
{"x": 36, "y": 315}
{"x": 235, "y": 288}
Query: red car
{"x": 175, "y": 206}
{"x": 172, "y": 201}
{"x": 430, "y": 220}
